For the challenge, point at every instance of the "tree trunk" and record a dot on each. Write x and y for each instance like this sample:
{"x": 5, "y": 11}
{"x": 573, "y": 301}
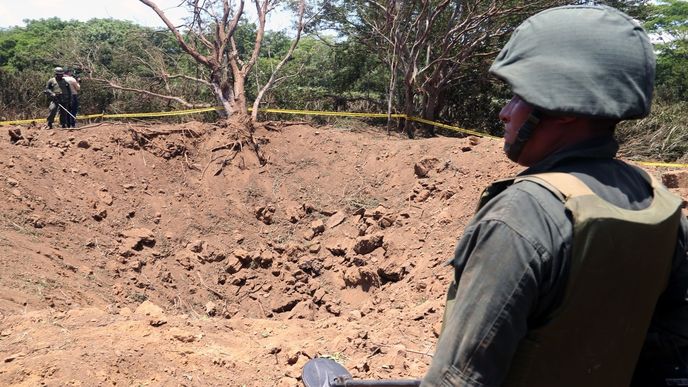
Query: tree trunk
{"x": 225, "y": 102}
{"x": 408, "y": 102}
{"x": 431, "y": 105}
{"x": 240, "y": 96}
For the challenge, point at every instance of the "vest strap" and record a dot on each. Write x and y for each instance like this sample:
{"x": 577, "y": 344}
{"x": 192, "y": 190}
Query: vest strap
{"x": 565, "y": 185}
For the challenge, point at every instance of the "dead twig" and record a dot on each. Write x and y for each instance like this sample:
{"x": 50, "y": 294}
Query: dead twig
{"x": 226, "y": 162}
{"x": 211, "y": 290}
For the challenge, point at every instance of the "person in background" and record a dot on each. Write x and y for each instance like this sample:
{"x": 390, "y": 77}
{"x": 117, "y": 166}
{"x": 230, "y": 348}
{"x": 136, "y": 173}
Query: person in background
{"x": 60, "y": 95}
{"x": 75, "y": 88}
{"x": 575, "y": 272}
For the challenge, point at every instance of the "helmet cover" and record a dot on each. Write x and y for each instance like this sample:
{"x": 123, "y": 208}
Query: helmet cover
{"x": 592, "y": 61}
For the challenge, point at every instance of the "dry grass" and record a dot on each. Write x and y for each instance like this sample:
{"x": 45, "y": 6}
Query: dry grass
{"x": 663, "y": 136}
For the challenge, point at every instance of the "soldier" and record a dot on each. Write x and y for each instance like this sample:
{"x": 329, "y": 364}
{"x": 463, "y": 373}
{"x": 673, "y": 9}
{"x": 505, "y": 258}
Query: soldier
{"x": 60, "y": 96}
{"x": 74, "y": 88}
{"x": 575, "y": 272}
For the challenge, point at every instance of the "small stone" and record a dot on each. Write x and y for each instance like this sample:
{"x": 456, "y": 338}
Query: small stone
{"x": 335, "y": 220}
{"x": 105, "y": 197}
{"x": 355, "y": 315}
{"x": 157, "y": 322}
{"x": 13, "y": 357}
{"x": 210, "y": 308}
{"x": 196, "y": 246}
{"x": 181, "y": 335}
{"x": 366, "y": 244}
{"x": 337, "y": 248}
{"x": 99, "y": 214}
{"x": 242, "y": 254}
{"x": 314, "y": 248}
{"x": 423, "y": 167}
{"x": 233, "y": 264}
{"x": 318, "y": 227}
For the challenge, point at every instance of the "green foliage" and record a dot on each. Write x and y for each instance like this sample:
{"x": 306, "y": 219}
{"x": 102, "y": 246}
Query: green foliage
{"x": 113, "y": 50}
{"x": 341, "y": 63}
{"x": 32, "y": 46}
{"x": 668, "y": 22}
{"x": 323, "y": 74}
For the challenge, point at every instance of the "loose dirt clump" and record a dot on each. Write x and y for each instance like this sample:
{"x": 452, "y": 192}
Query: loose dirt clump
{"x": 167, "y": 255}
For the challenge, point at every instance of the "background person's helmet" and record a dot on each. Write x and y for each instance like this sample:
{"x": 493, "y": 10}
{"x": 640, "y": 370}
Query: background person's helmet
{"x": 59, "y": 71}
{"x": 592, "y": 61}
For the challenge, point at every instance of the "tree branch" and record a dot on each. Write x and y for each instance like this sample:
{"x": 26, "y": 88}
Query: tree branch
{"x": 179, "y": 100}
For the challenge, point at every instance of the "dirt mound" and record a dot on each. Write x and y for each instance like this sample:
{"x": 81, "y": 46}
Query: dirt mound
{"x": 158, "y": 254}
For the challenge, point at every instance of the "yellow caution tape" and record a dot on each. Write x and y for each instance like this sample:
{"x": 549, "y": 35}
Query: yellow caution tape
{"x": 305, "y": 112}
{"x": 454, "y": 128}
{"x": 326, "y": 113}
{"x": 658, "y": 164}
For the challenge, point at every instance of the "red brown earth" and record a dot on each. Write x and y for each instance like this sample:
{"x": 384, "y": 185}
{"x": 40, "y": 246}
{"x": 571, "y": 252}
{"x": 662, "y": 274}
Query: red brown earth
{"x": 135, "y": 254}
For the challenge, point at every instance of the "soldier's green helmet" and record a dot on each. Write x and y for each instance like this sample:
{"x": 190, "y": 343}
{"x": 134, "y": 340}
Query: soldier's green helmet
{"x": 59, "y": 71}
{"x": 592, "y": 61}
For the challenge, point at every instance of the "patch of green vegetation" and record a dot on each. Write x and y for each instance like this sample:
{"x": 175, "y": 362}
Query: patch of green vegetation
{"x": 137, "y": 297}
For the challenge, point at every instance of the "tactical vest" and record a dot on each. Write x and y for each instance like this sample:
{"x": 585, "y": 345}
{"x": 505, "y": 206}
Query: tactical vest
{"x": 620, "y": 264}
{"x": 59, "y": 86}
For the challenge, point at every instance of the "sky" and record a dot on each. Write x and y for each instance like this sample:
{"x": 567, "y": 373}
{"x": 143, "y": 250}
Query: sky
{"x": 13, "y": 12}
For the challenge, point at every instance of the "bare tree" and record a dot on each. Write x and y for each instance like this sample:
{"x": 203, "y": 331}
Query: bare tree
{"x": 273, "y": 77}
{"x": 209, "y": 38}
{"x": 427, "y": 44}
{"x": 210, "y": 41}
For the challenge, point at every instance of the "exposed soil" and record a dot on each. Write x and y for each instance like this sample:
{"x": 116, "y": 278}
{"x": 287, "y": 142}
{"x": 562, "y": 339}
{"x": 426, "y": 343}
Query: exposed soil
{"x": 135, "y": 254}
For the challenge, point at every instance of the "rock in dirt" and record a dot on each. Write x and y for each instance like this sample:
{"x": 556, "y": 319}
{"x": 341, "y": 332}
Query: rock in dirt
{"x": 393, "y": 270}
{"x": 318, "y": 227}
{"x": 212, "y": 254}
{"x": 337, "y": 248}
{"x": 13, "y": 357}
{"x": 197, "y": 245}
{"x": 366, "y": 244}
{"x": 360, "y": 276}
{"x": 335, "y": 220}
{"x": 36, "y": 221}
{"x": 283, "y": 305}
{"x": 105, "y": 197}
{"x": 99, "y": 213}
{"x": 138, "y": 238}
{"x": 242, "y": 254}
{"x": 233, "y": 264}
{"x": 148, "y": 308}
{"x": 210, "y": 308}
{"x": 181, "y": 335}
{"x": 295, "y": 212}
{"x": 156, "y": 316}
{"x": 265, "y": 214}
{"x": 675, "y": 179}
{"x": 423, "y": 167}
